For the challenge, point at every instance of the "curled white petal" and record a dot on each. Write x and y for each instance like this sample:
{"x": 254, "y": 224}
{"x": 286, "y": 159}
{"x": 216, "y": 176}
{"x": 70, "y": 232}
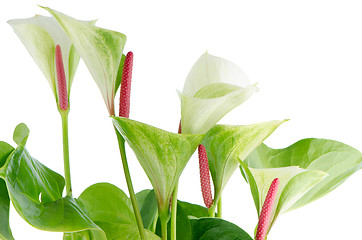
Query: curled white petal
{"x": 210, "y": 69}
{"x": 198, "y": 115}
{"x": 40, "y": 35}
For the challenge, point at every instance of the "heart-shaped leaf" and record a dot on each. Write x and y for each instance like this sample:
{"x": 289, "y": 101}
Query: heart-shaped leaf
{"x": 163, "y": 155}
{"x": 5, "y": 232}
{"x": 111, "y": 209}
{"x": 36, "y": 192}
{"x": 217, "y": 229}
{"x": 225, "y": 144}
{"x": 105, "y": 202}
{"x": 117, "y": 231}
{"x": 185, "y": 213}
{"x": 147, "y": 204}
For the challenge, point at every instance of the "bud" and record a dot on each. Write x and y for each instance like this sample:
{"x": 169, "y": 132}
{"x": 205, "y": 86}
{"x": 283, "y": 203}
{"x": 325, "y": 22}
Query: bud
{"x": 125, "y": 92}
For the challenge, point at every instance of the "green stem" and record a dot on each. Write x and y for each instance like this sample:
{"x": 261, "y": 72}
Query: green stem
{"x": 68, "y": 183}
{"x": 164, "y": 220}
{"x": 219, "y": 208}
{"x": 127, "y": 175}
{"x": 212, "y": 211}
{"x": 154, "y": 225}
{"x": 174, "y": 213}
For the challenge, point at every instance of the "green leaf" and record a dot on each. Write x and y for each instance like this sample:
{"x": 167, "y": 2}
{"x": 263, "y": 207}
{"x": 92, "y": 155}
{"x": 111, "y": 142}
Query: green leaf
{"x": 163, "y": 155}
{"x": 225, "y": 144}
{"x": 185, "y": 212}
{"x": 111, "y": 209}
{"x": 336, "y": 159}
{"x": 85, "y": 235}
{"x": 100, "y": 49}
{"x": 36, "y": 192}
{"x": 40, "y": 35}
{"x": 105, "y": 202}
{"x": 117, "y": 231}
{"x": 217, "y": 229}
{"x": 213, "y": 88}
{"x": 5, "y": 232}
{"x": 147, "y": 203}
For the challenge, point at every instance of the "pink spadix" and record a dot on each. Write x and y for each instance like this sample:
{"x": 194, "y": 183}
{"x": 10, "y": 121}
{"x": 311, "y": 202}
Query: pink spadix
{"x": 264, "y": 218}
{"x": 125, "y": 95}
{"x": 205, "y": 176}
{"x": 62, "y": 82}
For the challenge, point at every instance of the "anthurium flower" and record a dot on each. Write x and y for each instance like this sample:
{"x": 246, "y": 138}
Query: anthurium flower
{"x": 40, "y": 35}
{"x": 213, "y": 88}
{"x": 225, "y": 144}
{"x": 307, "y": 170}
{"x": 100, "y": 49}
{"x": 163, "y": 155}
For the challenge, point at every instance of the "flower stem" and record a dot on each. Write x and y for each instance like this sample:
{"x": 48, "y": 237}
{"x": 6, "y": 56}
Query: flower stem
{"x": 219, "y": 208}
{"x": 121, "y": 144}
{"x": 154, "y": 224}
{"x": 68, "y": 184}
{"x": 174, "y": 213}
{"x": 212, "y": 211}
{"x": 164, "y": 217}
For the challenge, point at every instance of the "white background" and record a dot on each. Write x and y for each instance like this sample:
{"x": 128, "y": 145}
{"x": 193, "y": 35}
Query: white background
{"x": 305, "y": 55}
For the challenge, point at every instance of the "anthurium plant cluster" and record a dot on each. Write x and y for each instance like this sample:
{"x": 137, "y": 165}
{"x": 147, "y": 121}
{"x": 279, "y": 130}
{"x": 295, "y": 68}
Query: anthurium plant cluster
{"x": 280, "y": 179}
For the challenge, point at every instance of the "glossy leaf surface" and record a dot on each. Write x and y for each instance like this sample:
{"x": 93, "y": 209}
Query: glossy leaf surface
{"x": 5, "y": 232}
{"x": 226, "y": 144}
{"x": 147, "y": 203}
{"x": 217, "y": 229}
{"x": 105, "y": 202}
{"x": 163, "y": 155}
{"x": 116, "y": 231}
{"x": 36, "y": 192}
{"x": 185, "y": 213}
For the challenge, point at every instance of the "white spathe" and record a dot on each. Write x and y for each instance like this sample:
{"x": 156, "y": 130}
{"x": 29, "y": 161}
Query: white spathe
{"x": 213, "y": 88}
{"x": 40, "y": 35}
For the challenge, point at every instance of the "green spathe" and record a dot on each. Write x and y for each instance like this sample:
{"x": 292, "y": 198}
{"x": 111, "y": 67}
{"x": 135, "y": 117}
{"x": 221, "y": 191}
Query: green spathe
{"x": 40, "y": 35}
{"x": 307, "y": 170}
{"x": 225, "y": 144}
{"x": 36, "y": 192}
{"x": 163, "y": 155}
{"x": 100, "y": 49}
{"x": 213, "y": 88}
